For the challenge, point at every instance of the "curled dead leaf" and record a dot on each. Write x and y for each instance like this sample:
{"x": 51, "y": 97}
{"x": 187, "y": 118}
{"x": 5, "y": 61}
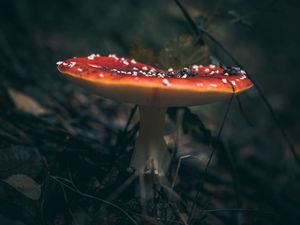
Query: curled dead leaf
{"x": 26, "y": 103}
{"x": 25, "y": 185}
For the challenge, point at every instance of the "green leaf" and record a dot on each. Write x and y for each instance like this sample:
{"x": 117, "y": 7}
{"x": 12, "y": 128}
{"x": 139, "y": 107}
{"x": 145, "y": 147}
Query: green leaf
{"x": 177, "y": 53}
{"x": 142, "y": 54}
{"x": 183, "y": 52}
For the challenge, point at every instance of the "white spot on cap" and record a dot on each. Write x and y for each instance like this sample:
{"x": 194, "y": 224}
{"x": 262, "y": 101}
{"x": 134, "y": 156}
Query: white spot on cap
{"x": 80, "y": 69}
{"x": 59, "y": 63}
{"x": 145, "y": 68}
{"x": 199, "y": 85}
{"x": 224, "y": 80}
{"x": 212, "y": 72}
{"x": 95, "y": 66}
{"x": 206, "y": 70}
{"x": 170, "y": 69}
{"x": 233, "y": 82}
{"x": 113, "y": 56}
{"x": 195, "y": 67}
{"x": 166, "y": 82}
{"x": 125, "y": 62}
{"x": 65, "y": 64}
{"x": 213, "y": 85}
{"x": 212, "y": 66}
{"x": 91, "y": 57}
{"x": 101, "y": 75}
{"x": 226, "y": 74}
{"x": 133, "y": 61}
{"x": 160, "y": 74}
{"x": 72, "y": 64}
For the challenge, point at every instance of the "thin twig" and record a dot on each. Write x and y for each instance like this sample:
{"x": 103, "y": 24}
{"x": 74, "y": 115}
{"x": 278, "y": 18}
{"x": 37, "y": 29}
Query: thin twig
{"x": 179, "y": 117}
{"x": 242, "y": 111}
{"x": 132, "y": 113}
{"x": 76, "y": 190}
{"x": 178, "y": 168}
{"x": 190, "y": 21}
{"x": 210, "y": 157}
{"x": 66, "y": 199}
{"x": 121, "y": 188}
{"x": 234, "y": 173}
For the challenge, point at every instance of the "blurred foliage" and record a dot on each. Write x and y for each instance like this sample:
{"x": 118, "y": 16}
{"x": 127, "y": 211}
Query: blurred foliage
{"x": 178, "y": 53}
{"x": 49, "y": 127}
{"x": 143, "y": 54}
{"x": 183, "y": 52}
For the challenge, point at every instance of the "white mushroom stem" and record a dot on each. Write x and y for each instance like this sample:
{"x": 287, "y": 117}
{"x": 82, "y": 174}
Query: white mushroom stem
{"x": 150, "y": 153}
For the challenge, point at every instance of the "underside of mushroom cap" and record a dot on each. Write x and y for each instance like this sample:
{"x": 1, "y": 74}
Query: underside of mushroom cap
{"x": 126, "y": 80}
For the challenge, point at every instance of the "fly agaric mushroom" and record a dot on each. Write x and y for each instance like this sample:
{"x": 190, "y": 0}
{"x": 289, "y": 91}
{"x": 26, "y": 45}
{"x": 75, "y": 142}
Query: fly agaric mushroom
{"x": 153, "y": 90}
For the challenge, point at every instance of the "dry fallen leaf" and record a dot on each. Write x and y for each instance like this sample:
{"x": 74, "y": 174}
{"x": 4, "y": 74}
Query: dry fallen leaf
{"x": 27, "y": 104}
{"x": 25, "y": 185}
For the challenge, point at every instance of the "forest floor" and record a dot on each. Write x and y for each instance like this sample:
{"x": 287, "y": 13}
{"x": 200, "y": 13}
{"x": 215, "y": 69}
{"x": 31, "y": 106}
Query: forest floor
{"x": 64, "y": 152}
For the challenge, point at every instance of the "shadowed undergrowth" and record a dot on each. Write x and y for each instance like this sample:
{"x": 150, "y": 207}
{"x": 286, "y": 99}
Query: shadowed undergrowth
{"x": 74, "y": 147}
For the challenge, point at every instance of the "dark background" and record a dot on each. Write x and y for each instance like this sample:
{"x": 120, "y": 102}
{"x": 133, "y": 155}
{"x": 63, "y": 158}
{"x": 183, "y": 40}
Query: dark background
{"x": 49, "y": 127}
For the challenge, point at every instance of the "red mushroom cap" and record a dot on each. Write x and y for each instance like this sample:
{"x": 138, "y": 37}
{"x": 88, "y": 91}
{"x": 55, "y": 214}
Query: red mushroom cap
{"x": 129, "y": 81}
